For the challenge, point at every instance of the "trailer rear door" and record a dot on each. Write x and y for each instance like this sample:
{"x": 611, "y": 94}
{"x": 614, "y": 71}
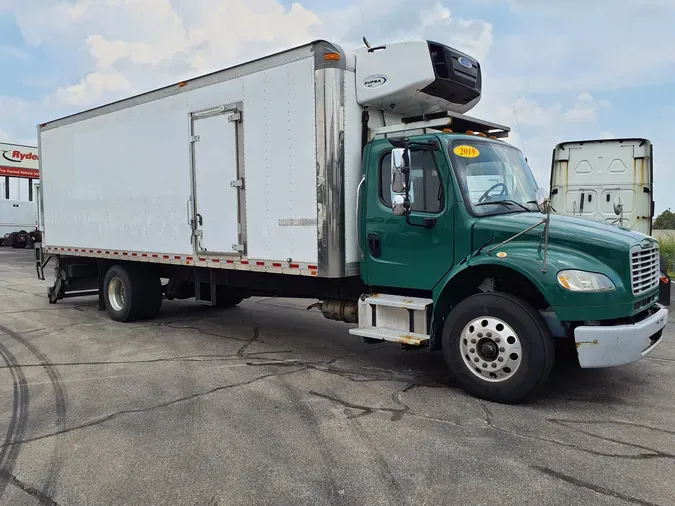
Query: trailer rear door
{"x": 216, "y": 181}
{"x": 587, "y": 176}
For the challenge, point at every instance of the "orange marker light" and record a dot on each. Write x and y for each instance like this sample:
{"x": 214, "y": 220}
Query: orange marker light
{"x": 332, "y": 56}
{"x": 182, "y": 84}
{"x": 447, "y": 131}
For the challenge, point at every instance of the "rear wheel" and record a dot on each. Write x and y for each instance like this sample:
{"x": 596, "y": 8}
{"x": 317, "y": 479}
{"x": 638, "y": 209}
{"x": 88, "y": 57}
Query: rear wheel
{"x": 499, "y": 347}
{"x": 130, "y": 293}
{"x": 227, "y": 297}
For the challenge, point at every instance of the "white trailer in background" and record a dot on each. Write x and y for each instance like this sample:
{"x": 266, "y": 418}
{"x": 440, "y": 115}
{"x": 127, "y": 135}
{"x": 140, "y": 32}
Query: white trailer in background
{"x": 608, "y": 180}
{"x": 16, "y": 216}
{"x": 589, "y": 177}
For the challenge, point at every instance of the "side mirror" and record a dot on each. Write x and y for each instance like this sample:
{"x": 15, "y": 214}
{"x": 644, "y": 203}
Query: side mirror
{"x": 618, "y": 206}
{"x": 399, "y": 205}
{"x": 400, "y": 170}
{"x": 543, "y": 201}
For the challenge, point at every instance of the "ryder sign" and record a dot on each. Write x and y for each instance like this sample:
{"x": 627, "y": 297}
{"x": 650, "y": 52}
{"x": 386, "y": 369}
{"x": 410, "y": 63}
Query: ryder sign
{"x": 19, "y": 161}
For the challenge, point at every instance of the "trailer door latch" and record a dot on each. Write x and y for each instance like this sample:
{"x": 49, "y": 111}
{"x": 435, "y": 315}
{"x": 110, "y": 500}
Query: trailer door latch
{"x": 237, "y": 183}
{"x": 194, "y": 138}
{"x": 238, "y": 247}
{"x": 235, "y": 117}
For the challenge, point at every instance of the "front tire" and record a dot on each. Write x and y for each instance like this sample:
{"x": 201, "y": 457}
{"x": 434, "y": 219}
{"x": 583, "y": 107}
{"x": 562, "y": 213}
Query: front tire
{"x": 498, "y": 347}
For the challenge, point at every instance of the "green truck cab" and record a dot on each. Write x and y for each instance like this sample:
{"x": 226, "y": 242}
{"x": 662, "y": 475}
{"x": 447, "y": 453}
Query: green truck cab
{"x": 458, "y": 219}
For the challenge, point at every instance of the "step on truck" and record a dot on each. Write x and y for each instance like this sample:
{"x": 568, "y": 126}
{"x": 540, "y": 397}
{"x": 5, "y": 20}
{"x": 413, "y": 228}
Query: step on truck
{"x": 356, "y": 179}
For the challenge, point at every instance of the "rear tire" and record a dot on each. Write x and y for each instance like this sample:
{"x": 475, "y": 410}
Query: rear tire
{"x": 227, "y": 297}
{"x": 498, "y": 347}
{"x": 130, "y": 294}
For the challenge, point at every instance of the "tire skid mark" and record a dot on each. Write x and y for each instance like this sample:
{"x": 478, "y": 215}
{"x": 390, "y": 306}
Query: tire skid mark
{"x": 47, "y": 488}
{"x": 311, "y": 421}
{"x": 17, "y": 425}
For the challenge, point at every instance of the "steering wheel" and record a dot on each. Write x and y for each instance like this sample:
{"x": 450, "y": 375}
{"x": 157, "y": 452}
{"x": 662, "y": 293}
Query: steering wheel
{"x": 486, "y": 194}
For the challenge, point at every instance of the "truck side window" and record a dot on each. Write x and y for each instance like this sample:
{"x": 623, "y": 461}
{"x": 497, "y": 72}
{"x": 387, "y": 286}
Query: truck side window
{"x": 426, "y": 186}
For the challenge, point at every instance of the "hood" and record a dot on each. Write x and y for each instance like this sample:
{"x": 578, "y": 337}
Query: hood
{"x": 608, "y": 243}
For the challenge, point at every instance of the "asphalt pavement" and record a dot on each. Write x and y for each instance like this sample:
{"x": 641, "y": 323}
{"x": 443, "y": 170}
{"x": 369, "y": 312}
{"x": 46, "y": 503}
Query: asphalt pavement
{"x": 267, "y": 403}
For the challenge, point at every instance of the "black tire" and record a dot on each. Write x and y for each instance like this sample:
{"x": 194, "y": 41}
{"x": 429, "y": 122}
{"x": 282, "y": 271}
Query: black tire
{"x": 227, "y": 297}
{"x": 533, "y": 335}
{"x": 17, "y": 242}
{"x": 134, "y": 306}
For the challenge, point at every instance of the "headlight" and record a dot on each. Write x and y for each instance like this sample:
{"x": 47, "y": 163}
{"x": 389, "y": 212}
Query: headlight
{"x": 582, "y": 281}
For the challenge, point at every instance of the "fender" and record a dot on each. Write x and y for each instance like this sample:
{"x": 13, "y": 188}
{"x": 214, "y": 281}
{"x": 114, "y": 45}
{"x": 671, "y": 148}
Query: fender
{"x": 527, "y": 259}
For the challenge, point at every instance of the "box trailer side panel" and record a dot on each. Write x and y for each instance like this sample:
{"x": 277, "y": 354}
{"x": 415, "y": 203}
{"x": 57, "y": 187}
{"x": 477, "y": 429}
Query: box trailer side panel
{"x": 280, "y": 153}
{"x": 587, "y": 176}
{"x": 123, "y": 179}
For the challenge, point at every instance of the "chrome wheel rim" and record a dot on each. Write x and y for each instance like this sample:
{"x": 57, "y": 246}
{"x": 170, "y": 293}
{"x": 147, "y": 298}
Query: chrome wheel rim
{"x": 116, "y": 294}
{"x": 491, "y": 349}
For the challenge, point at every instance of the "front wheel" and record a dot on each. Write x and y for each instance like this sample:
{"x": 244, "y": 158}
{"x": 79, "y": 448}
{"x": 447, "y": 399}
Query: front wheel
{"x": 498, "y": 346}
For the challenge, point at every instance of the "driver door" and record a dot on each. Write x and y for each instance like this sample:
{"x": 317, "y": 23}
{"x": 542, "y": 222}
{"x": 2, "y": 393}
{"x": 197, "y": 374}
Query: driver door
{"x": 397, "y": 254}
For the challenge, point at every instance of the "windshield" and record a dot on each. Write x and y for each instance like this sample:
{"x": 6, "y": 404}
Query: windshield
{"x": 494, "y": 177}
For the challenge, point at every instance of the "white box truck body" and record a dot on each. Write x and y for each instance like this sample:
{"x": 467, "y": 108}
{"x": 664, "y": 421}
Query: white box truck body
{"x": 254, "y": 167}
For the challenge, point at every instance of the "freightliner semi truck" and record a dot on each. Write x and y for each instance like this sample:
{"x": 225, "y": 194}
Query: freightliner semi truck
{"x": 358, "y": 180}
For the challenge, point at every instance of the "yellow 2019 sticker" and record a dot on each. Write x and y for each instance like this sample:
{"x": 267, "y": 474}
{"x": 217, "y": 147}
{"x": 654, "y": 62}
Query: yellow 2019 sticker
{"x": 466, "y": 151}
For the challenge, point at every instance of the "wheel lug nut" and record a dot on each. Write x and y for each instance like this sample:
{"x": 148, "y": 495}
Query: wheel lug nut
{"x": 472, "y": 350}
{"x": 494, "y": 366}
{"x": 489, "y": 334}
{"x": 473, "y": 341}
{"x": 502, "y": 349}
{"x": 497, "y": 340}
{"x": 484, "y": 366}
{"x": 475, "y": 359}
{"x": 480, "y": 334}
{"x": 501, "y": 359}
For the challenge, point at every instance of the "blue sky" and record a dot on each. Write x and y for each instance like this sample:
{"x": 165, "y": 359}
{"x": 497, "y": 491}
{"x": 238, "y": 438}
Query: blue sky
{"x": 572, "y": 69}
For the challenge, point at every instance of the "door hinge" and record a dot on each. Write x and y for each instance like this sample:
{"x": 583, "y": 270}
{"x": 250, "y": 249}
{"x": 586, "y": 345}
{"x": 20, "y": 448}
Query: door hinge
{"x": 194, "y": 138}
{"x": 237, "y": 183}
{"x": 235, "y": 117}
{"x": 238, "y": 247}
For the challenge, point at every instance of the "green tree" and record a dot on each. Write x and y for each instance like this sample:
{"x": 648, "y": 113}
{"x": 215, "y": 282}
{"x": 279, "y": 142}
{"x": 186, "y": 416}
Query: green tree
{"x": 665, "y": 221}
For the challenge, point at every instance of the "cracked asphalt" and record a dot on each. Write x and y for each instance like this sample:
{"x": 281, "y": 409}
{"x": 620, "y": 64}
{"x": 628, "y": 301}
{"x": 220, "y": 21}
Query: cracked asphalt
{"x": 267, "y": 403}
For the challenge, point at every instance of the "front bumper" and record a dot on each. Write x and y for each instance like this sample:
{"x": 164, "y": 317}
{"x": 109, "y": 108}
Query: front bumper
{"x": 620, "y": 344}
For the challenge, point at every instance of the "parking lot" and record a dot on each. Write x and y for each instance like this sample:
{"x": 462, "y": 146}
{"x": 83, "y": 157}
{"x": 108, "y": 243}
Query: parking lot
{"x": 268, "y": 403}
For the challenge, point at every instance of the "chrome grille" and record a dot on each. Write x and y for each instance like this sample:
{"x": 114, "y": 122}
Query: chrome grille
{"x": 644, "y": 269}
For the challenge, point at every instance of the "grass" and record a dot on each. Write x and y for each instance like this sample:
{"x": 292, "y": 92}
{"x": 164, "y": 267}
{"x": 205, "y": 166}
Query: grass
{"x": 667, "y": 246}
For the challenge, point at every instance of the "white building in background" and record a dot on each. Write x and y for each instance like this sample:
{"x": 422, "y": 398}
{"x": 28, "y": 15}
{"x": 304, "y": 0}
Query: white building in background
{"x": 19, "y": 171}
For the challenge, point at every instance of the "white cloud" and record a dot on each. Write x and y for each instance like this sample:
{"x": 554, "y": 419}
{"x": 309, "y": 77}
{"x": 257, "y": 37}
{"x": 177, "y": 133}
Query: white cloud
{"x": 585, "y": 109}
{"x": 91, "y": 89}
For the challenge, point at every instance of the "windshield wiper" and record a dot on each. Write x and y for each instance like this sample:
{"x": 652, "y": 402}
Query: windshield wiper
{"x": 506, "y": 203}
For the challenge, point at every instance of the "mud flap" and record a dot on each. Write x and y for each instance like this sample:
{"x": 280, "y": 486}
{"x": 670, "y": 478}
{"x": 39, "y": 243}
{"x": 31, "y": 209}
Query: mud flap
{"x": 58, "y": 290}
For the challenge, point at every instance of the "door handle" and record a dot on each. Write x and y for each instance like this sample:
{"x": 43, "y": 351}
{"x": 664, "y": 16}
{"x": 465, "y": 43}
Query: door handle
{"x": 375, "y": 245}
{"x": 189, "y": 211}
